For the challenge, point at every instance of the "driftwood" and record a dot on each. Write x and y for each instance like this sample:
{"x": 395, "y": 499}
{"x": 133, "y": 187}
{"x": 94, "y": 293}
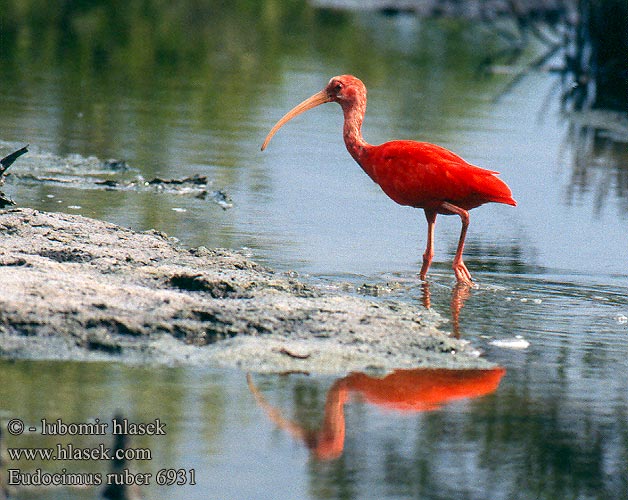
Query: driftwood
{"x": 8, "y": 160}
{"x": 5, "y": 163}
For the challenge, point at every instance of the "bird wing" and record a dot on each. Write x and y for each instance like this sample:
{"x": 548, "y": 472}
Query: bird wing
{"x": 425, "y": 175}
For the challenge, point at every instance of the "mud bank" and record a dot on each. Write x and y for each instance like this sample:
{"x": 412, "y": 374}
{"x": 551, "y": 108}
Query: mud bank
{"x": 82, "y": 289}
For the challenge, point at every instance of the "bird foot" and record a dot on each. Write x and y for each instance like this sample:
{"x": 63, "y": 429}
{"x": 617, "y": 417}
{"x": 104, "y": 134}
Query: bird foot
{"x": 462, "y": 273}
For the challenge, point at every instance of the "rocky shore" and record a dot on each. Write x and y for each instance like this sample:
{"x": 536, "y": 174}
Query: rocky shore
{"x": 82, "y": 289}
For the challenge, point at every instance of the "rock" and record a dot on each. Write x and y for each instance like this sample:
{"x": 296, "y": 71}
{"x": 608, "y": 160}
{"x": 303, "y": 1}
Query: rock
{"x": 78, "y": 288}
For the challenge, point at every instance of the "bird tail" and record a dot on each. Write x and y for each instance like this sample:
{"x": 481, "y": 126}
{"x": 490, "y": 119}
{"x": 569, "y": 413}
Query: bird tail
{"x": 499, "y": 191}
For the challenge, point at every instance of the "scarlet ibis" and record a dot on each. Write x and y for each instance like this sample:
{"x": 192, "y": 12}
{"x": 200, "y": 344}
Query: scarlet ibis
{"x": 417, "y": 174}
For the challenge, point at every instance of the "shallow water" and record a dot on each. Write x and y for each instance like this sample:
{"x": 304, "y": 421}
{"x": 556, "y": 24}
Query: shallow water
{"x": 550, "y": 272}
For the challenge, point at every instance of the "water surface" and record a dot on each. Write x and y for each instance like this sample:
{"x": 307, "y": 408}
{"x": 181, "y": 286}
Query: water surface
{"x": 196, "y": 94}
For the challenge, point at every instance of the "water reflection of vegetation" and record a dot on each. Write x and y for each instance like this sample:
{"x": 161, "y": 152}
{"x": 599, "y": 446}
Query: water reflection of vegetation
{"x": 599, "y": 163}
{"x": 597, "y": 80}
{"x": 111, "y": 50}
{"x": 133, "y": 43}
{"x": 89, "y": 391}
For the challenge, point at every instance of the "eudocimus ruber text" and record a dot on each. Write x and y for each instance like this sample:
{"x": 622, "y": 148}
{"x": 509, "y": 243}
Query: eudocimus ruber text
{"x": 418, "y": 174}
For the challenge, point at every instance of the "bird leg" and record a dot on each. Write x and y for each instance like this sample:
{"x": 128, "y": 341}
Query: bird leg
{"x": 429, "y": 250}
{"x": 462, "y": 273}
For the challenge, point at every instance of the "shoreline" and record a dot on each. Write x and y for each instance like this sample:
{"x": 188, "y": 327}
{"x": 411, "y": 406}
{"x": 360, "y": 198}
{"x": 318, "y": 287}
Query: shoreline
{"x": 76, "y": 288}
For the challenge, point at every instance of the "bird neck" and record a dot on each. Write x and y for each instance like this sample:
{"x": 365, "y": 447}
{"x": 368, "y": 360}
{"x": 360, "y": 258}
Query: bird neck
{"x": 352, "y": 130}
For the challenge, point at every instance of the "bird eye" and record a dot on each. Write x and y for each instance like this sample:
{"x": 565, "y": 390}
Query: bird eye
{"x": 338, "y": 87}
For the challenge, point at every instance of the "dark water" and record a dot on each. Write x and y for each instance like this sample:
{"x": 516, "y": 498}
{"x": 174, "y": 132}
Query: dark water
{"x": 189, "y": 91}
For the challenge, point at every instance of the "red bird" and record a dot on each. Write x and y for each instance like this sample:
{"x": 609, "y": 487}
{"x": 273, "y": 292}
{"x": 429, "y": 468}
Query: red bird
{"x": 418, "y": 174}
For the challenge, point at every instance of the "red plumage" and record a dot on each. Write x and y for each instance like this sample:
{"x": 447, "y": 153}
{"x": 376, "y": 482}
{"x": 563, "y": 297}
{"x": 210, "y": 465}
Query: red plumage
{"x": 424, "y": 175}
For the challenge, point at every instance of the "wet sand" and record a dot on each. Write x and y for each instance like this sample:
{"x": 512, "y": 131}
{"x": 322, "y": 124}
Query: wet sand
{"x": 81, "y": 289}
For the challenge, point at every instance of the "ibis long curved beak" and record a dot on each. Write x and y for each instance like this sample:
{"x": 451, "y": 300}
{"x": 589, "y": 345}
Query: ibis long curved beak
{"x": 311, "y": 102}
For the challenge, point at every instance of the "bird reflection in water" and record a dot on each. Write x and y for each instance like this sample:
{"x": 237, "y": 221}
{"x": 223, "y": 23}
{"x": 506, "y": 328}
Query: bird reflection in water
{"x": 459, "y": 294}
{"x": 407, "y": 391}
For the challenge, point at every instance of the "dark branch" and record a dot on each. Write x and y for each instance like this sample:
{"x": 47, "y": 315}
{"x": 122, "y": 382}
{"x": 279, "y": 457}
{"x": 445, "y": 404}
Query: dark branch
{"x": 5, "y": 163}
{"x": 8, "y": 160}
